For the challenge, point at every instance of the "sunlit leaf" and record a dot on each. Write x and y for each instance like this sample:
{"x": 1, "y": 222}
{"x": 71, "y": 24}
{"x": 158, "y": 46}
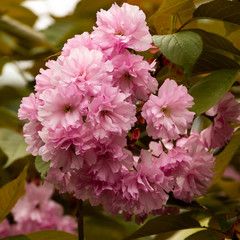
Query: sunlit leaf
{"x": 208, "y": 91}
{"x": 200, "y": 122}
{"x": 206, "y": 235}
{"x": 13, "y": 145}
{"x": 51, "y": 234}
{"x": 218, "y": 9}
{"x": 223, "y": 159}
{"x": 171, "y": 14}
{"x": 11, "y": 192}
{"x": 163, "y": 224}
{"x": 182, "y": 48}
{"x": 42, "y": 166}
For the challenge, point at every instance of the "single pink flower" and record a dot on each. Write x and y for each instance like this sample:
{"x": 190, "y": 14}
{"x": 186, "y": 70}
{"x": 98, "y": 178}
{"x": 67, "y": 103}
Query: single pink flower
{"x": 113, "y": 30}
{"x": 198, "y": 174}
{"x": 63, "y": 106}
{"x": 36, "y": 211}
{"x": 167, "y": 114}
{"x": 132, "y": 75}
{"x": 109, "y": 113}
{"x": 220, "y": 131}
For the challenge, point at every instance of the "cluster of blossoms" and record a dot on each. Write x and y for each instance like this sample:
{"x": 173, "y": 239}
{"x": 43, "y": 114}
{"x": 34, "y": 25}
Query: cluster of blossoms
{"x": 84, "y": 109}
{"x": 35, "y": 211}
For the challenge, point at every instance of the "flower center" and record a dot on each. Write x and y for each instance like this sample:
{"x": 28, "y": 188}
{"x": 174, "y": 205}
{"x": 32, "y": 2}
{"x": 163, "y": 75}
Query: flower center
{"x": 166, "y": 112}
{"x": 127, "y": 76}
{"x": 67, "y": 108}
{"x": 104, "y": 112}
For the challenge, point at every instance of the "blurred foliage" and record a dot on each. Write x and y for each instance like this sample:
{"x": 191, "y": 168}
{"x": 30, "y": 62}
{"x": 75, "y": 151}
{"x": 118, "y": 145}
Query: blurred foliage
{"x": 212, "y": 28}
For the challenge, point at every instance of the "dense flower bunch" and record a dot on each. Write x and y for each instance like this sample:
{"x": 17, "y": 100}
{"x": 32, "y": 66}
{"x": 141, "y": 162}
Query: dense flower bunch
{"x": 35, "y": 211}
{"x": 84, "y": 109}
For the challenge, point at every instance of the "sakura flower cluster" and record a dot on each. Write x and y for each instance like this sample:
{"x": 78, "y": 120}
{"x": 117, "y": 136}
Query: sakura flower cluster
{"x": 36, "y": 211}
{"x": 89, "y": 102}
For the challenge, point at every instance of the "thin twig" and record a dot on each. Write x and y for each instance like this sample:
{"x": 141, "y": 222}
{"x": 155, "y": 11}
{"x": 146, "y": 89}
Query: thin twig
{"x": 80, "y": 220}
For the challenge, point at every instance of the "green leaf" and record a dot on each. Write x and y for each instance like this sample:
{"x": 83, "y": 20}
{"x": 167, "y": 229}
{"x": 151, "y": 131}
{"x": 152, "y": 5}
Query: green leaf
{"x": 13, "y": 145}
{"x": 216, "y": 43}
{"x": 11, "y": 192}
{"x": 200, "y": 122}
{"x": 18, "y": 237}
{"x": 228, "y": 11}
{"x": 161, "y": 20}
{"x": 163, "y": 224}
{"x": 51, "y": 235}
{"x": 182, "y": 48}
{"x": 209, "y": 62}
{"x": 224, "y": 158}
{"x": 42, "y": 166}
{"x": 104, "y": 227}
{"x": 8, "y": 119}
{"x": 206, "y": 235}
{"x": 208, "y": 91}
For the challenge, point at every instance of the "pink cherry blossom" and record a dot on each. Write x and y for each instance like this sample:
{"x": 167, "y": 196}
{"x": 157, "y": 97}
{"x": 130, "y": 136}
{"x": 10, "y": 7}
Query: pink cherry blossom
{"x": 132, "y": 75}
{"x": 113, "y": 30}
{"x": 77, "y": 41}
{"x": 45, "y": 79}
{"x": 109, "y": 112}
{"x": 28, "y": 108}
{"x": 144, "y": 190}
{"x": 36, "y": 211}
{"x": 62, "y": 107}
{"x": 220, "y": 131}
{"x": 167, "y": 114}
{"x": 198, "y": 175}
{"x": 31, "y": 134}
{"x": 5, "y": 229}
{"x": 86, "y": 68}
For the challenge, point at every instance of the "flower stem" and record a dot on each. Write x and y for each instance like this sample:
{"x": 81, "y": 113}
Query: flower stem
{"x": 80, "y": 220}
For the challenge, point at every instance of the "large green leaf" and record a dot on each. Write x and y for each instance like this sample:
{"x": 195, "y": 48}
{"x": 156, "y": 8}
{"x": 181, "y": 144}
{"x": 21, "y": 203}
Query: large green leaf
{"x": 182, "y": 48}
{"x": 219, "y": 9}
{"x": 208, "y": 91}
{"x": 213, "y": 61}
{"x": 206, "y": 235}
{"x": 11, "y": 192}
{"x": 163, "y": 224}
{"x": 216, "y": 43}
{"x": 13, "y": 145}
{"x": 42, "y": 166}
{"x": 51, "y": 235}
{"x": 224, "y": 158}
